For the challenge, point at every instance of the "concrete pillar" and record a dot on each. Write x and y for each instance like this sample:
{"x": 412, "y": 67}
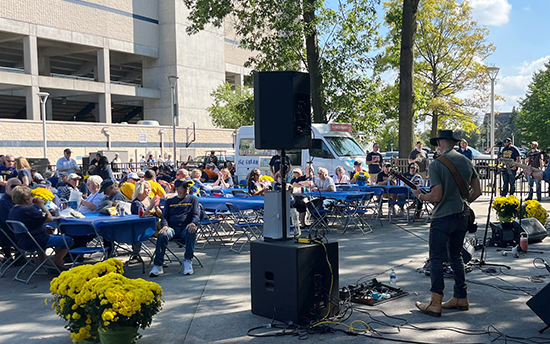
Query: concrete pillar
{"x": 239, "y": 80}
{"x": 44, "y": 65}
{"x": 49, "y": 109}
{"x": 104, "y": 75}
{"x": 30, "y": 58}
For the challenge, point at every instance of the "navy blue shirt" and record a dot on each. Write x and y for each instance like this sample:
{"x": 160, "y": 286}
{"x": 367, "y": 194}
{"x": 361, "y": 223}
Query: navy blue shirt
{"x": 7, "y": 173}
{"x": 179, "y": 212}
{"x": 34, "y": 219}
{"x": 510, "y": 153}
{"x": 276, "y": 162}
{"x": 24, "y": 172}
{"x": 376, "y": 159}
{"x": 6, "y": 204}
{"x": 467, "y": 153}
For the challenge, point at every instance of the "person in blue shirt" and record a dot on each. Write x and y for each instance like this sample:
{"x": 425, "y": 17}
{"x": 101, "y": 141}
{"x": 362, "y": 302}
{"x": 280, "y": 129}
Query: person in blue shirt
{"x": 6, "y": 204}
{"x": 7, "y": 171}
{"x": 464, "y": 150}
{"x": 509, "y": 175}
{"x": 180, "y": 219}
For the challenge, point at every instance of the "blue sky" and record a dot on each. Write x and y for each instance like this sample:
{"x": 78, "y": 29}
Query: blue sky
{"x": 519, "y": 30}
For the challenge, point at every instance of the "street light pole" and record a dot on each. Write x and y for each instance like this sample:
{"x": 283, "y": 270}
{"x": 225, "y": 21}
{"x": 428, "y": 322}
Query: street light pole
{"x": 43, "y": 98}
{"x": 493, "y": 72}
{"x": 172, "y": 79}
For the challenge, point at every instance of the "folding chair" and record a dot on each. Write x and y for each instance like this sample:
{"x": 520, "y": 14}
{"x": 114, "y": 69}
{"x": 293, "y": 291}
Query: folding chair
{"x": 355, "y": 211}
{"x": 374, "y": 204}
{"x": 8, "y": 262}
{"x": 242, "y": 222}
{"x": 75, "y": 230}
{"x": 397, "y": 190}
{"x": 20, "y": 228}
{"x": 318, "y": 215}
{"x": 239, "y": 193}
{"x": 181, "y": 244}
{"x": 216, "y": 193}
{"x": 208, "y": 228}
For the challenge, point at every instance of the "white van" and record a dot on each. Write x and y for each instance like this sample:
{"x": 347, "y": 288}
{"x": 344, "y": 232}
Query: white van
{"x": 338, "y": 148}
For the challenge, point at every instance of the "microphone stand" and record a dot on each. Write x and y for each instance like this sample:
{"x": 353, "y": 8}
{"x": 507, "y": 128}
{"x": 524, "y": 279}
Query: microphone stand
{"x": 481, "y": 261}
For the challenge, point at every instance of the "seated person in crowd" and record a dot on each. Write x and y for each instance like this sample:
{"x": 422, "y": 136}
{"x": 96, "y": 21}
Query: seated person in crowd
{"x": 141, "y": 199}
{"x": 183, "y": 173}
{"x": 62, "y": 181}
{"x": 72, "y": 181}
{"x": 26, "y": 211}
{"x": 196, "y": 178}
{"x": 415, "y": 178}
{"x": 110, "y": 194}
{"x": 299, "y": 181}
{"x": 47, "y": 185}
{"x": 225, "y": 181}
{"x": 156, "y": 188}
{"x": 6, "y": 204}
{"x": 91, "y": 202}
{"x": 340, "y": 177}
{"x": 323, "y": 182}
{"x": 52, "y": 178}
{"x": 384, "y": 178}
{"x": 253, "y": 182}
{"x": 166, "y": 174}
{"x": 212, "y": 172}
{"x": 103, "y": 169}
{"x": 127, "y": 188}
{"x": 357, "y": 167}
{"x": 180, "y": 219}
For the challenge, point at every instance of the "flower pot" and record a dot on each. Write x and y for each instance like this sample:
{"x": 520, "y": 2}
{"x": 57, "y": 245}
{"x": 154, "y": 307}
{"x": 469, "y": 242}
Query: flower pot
{"x": 505, "y": 219}
{"x": 118, "y": 335}
{"x": 94, "y": 337}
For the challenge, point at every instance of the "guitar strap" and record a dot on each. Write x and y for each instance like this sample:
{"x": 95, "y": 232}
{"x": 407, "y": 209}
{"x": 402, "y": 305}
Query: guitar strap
{"x": 459, "y": 182}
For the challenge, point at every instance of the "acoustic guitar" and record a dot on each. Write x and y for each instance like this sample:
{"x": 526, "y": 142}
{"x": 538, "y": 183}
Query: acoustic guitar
{"x": 472, "y": 224}
{"x": 511, "y": 162}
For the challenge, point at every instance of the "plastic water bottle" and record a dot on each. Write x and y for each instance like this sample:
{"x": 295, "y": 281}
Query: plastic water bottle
{"x": 393, "y": 278}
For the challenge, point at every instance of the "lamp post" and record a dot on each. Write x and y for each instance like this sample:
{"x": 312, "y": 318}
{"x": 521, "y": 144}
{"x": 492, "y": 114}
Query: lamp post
{"x": 493, "y": 72}
{"x": 43, "y": 98}
{"x": 173, "y": 80}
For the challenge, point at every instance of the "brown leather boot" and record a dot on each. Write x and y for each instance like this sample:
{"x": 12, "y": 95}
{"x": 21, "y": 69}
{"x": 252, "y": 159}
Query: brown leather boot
{"x": 456, "y": 303}
{"x": 433, "y": 308}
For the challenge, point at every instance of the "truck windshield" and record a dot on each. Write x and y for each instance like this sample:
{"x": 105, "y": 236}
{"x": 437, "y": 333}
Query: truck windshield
{"x": 345, "y": 146}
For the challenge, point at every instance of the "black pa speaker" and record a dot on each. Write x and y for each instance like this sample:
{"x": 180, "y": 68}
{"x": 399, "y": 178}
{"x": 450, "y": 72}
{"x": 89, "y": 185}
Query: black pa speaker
{"x": 293, "y": 282}
{"x": 535, "y": 230}
{"x": 540, "y": 304}
{"x": 282, "y": 110}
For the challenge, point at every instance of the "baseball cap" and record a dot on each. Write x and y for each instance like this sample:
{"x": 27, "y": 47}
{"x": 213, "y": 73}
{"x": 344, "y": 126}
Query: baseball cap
{"x": 167, "y": 168}
{"x": 125, "y": 170}
{"x": 356, "y": 162}
{"x": 387, "y": 164}
{"x": 183, "y": 182}
{"x": 535, "y": 143}
{"x": 141, "y": 174}
{"x": 105, "y": 184}
{"x": 45, "y": 184}
{"x": 133, "y": 175}
{"x": 507, "y": 139}
{"x": 74, "y": 176}
{"x": 67, "y": 150}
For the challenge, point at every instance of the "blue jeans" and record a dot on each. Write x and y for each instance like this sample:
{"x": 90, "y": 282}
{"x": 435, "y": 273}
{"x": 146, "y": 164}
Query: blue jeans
{"x": 508, "y": 179}
{"x": 539, "y": 191}
{"x": 162, "y": 242}
{"x": 446, "y": 241}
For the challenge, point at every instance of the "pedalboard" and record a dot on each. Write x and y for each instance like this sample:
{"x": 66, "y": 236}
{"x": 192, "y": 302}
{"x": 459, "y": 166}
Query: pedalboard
{"x": 371, "y": 293}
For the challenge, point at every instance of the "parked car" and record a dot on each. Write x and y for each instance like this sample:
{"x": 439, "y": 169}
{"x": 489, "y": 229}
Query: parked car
{"x": 481, "y": 163}
{"x": 223, "y": 158}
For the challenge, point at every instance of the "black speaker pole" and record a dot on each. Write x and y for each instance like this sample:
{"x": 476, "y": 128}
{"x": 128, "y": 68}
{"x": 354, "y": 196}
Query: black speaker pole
{"x": 284, "y": 191}
{"x": 493, "y": 191}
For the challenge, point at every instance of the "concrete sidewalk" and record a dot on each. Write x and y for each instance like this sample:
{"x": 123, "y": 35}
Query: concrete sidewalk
{"x": 213, "y": 305}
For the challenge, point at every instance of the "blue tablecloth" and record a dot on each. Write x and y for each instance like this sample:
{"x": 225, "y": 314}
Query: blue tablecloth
{"x": 339, "y": 195}
{"x": 127, "y": 229}
{"x": 218, "y": 203}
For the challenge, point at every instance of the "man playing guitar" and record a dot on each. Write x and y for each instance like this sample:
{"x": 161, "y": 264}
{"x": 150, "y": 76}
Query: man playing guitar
{"x": 449, "y": 220}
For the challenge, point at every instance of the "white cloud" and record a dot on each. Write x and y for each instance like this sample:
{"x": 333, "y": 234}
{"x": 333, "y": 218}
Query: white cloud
{"x": 491, "y": 12}
{"x": 514, "y": 87}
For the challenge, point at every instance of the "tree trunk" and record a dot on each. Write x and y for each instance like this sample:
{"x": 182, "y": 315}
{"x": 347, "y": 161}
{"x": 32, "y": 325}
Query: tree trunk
{"x": 313, "y": 61}
{"x": 406, "y": 84}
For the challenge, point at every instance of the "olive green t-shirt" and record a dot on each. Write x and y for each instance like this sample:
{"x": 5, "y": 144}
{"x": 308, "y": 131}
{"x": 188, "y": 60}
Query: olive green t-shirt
{"x": 451, "y": 201}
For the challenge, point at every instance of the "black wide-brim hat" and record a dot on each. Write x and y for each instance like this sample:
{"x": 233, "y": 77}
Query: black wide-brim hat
{"x": 444, "y": 135}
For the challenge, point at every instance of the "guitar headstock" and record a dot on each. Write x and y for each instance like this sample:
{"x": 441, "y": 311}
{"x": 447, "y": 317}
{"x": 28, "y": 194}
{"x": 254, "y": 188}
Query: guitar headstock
{"x": 394, "y": 172}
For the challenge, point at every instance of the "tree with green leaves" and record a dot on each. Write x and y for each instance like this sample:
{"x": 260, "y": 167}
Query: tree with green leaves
{"x": 533, "y": 119}
{"x": 449, "y": 48}
{"x": 285, "y": 36}
{"x": 232, "y": 108}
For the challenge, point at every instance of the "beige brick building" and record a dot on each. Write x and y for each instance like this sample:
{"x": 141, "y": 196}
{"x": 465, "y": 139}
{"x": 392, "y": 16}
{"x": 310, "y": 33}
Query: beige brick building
{"x": 105, "y": 65}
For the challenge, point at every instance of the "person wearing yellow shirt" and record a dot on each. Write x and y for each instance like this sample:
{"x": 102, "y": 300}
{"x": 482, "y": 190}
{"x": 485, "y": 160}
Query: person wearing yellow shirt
{"x": 128, "y": 187}
{"x": 156, "y": 188}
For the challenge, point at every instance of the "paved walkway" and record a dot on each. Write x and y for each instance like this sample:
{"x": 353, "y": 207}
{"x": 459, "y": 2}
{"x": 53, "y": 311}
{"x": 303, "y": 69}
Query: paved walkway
{"x": 213, "y": 305}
